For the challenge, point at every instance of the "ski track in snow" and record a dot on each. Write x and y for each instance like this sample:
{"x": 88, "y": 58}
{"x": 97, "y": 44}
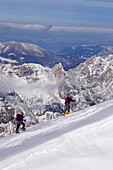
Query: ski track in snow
{"x": 78, "y": 141}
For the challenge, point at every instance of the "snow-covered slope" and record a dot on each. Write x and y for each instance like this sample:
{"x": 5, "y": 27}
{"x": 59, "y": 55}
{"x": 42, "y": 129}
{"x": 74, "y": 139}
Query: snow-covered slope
{"x": 19, "y": 48}
{"x": 82, "y": 140}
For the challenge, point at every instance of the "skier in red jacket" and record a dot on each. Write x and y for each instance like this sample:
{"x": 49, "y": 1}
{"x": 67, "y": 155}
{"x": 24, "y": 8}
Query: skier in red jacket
{"x": 67, "y": 105}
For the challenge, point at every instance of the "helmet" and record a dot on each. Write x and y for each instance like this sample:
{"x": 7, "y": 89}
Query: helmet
{"x": 71, "y": 96}
{"x": 22, "y": 113}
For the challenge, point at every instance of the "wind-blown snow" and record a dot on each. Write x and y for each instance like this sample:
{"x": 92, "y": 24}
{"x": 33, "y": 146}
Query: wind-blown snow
{"x": 82, "y": 140}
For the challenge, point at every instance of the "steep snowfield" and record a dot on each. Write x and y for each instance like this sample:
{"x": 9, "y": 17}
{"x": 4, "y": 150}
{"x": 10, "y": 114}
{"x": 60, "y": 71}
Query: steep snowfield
{"x": 82, "y": 140}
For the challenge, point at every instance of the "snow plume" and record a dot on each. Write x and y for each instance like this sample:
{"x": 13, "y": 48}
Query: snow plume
{"x": 5, "y": 84}
{"x": 37, "y": 92}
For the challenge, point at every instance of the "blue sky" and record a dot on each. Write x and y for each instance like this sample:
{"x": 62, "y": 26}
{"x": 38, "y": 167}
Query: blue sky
{"x": 77, "y": 13}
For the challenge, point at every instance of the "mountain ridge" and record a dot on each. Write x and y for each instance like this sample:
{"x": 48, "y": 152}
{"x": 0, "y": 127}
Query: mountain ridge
{"x": 19, "y": 53}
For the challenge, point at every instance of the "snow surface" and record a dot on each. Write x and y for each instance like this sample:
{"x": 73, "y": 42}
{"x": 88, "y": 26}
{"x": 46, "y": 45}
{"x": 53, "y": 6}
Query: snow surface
{"x": 82, "y": 140}
{"x": 8, "y": 60}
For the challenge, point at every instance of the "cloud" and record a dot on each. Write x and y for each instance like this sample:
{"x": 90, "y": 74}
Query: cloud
{"x": 40, "y": 1}
{"x": 60, "y": 3}
{"x": 24, "y": 26}
{"x": 53, "y": 28}
{"x": 82, "y": 29}
{"x": 101, "y": 0}
{"x": 99, "y": 3}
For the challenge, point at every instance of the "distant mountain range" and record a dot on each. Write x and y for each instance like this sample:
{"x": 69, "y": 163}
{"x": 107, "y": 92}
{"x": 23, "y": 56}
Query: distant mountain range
{"x": 19, "y": 53}
{"x": 87, "y": 51}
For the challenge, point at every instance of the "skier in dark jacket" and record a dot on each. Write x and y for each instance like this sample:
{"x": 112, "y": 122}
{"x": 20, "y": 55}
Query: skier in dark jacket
{"x": 67, "y": 105}
{"x": 20, "y": 120}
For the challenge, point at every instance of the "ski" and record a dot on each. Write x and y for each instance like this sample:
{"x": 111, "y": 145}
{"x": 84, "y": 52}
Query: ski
{"x": 21, "y": 131}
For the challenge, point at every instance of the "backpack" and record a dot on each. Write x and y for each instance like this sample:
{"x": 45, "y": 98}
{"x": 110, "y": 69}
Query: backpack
{"x": 18, "y": 117}
{"x": 67, "y": 100}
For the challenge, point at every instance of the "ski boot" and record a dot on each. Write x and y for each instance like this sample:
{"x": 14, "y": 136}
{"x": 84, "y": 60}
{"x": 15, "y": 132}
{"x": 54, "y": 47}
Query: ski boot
{"x": 24, "y": 129}
{"x": 63, "y": 113}
{"x": 68, "y": 112}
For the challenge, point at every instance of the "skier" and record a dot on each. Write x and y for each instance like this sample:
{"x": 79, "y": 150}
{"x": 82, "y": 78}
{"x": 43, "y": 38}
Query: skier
{"x": 67, "y": 104}
{"x": 19, "y": 118}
